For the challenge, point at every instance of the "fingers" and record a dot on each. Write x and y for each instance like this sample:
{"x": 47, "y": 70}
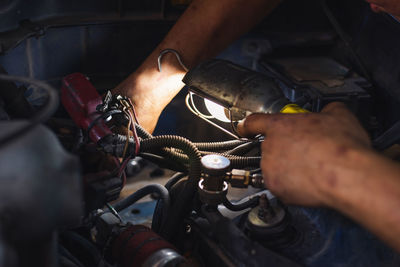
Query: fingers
{"x": 264, "y": 123}
{"x": 257, "y": 124}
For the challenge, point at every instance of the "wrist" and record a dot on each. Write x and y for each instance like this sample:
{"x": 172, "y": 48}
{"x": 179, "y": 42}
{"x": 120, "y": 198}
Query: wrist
{"x": 151, "y": 90}
{"x": 151, "y": 86}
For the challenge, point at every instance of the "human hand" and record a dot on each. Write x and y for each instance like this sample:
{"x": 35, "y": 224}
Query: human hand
{"x": 151, "y": 90}
{"x": 388, "y": 6}
{"x": 304, "y": 155}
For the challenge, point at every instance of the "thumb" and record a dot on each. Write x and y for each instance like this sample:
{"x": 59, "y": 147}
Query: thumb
{"x": 257, "y": 124}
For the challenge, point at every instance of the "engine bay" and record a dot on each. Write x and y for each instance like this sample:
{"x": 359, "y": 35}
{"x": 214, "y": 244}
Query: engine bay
{"x": 83, "y": 184}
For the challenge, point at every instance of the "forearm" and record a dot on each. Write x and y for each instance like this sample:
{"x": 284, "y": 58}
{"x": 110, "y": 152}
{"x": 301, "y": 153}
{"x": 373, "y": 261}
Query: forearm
{"x": 206, "y": 27}
{"x": 367, "y": 189}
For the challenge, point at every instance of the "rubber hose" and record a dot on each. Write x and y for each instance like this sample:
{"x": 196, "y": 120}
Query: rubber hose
{"x": 211, "y": 146}
{"x": 156, "y": 218}
{"x": 147, "y": 190}
{"x": 142, "y": 132}
{"x": 174, "y": 179}
{"x": 236, "y": 161}
{"x": 165, "y": 152}
{"x": 218, "y": 146}
{"x": 252, "y": 202}
{"x": 115, "y": 145}
{"x": 182, "y": 205}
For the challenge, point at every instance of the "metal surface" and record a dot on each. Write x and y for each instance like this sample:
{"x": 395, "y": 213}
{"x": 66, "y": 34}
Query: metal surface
{"x": 214, "y": 169}
{"x": 313, "y": 82}
{"x": 257, "y": 180}
{"x": 215, "y": 164}
{"x": 21, "y": 20}
{"x": 212, "y": 197}
{"x": 139, "y": 213}
{"x": 255, "y": 219}
{"x": 323, "y": 73}
{"x": 163, "y": 258}
{"x": 234, "y": 86}
{"x": 239, "y": 178}
{"x": 241, "y": 250}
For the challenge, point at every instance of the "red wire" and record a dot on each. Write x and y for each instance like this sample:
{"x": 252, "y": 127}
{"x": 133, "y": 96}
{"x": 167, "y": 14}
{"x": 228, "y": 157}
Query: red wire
{"x": 133, "y": 110}
{"x": 135, "y": 135}
{"x": 137, "y": 143}
{"x": 121, "y": 172}
{"x": 123, "y": 166}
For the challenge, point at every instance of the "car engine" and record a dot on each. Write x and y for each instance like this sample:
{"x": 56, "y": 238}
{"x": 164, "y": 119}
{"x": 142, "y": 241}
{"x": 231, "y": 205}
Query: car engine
{"x": 77, "y": 169}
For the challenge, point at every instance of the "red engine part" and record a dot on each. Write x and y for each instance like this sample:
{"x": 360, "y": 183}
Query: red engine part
{"x": 80, "y": 99}
{"x": 137, "y": 244}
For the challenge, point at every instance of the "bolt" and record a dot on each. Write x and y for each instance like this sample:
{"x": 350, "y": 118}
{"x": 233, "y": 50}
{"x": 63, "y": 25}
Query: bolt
{"x": 257, "y": 180}
{"x": 265, "y": 211}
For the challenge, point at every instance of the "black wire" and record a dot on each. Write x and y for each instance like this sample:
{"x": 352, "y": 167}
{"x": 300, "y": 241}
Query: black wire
{"x": 243, "y": 148}
{"x": 164, "y": 162}
{"x": 157, "y": 215}
{"x": 103, "y": 116}
{"x": 252, "y": 202}
{"x": 41, "y": 116}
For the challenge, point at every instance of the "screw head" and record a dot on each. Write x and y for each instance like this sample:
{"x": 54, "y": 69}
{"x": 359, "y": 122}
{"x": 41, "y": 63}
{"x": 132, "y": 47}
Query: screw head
{"x": 188, "y": 229}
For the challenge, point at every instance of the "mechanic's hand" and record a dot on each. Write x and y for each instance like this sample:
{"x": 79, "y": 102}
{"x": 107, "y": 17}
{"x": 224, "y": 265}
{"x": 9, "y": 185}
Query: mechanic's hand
{"x": 303, "y": 154}
{"x": 151, "y": 90}
{"x": 387, "y": 6}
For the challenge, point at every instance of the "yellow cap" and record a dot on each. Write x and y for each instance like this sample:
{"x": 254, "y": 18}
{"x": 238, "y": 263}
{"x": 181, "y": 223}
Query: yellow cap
{"x": 293, "y": 109}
